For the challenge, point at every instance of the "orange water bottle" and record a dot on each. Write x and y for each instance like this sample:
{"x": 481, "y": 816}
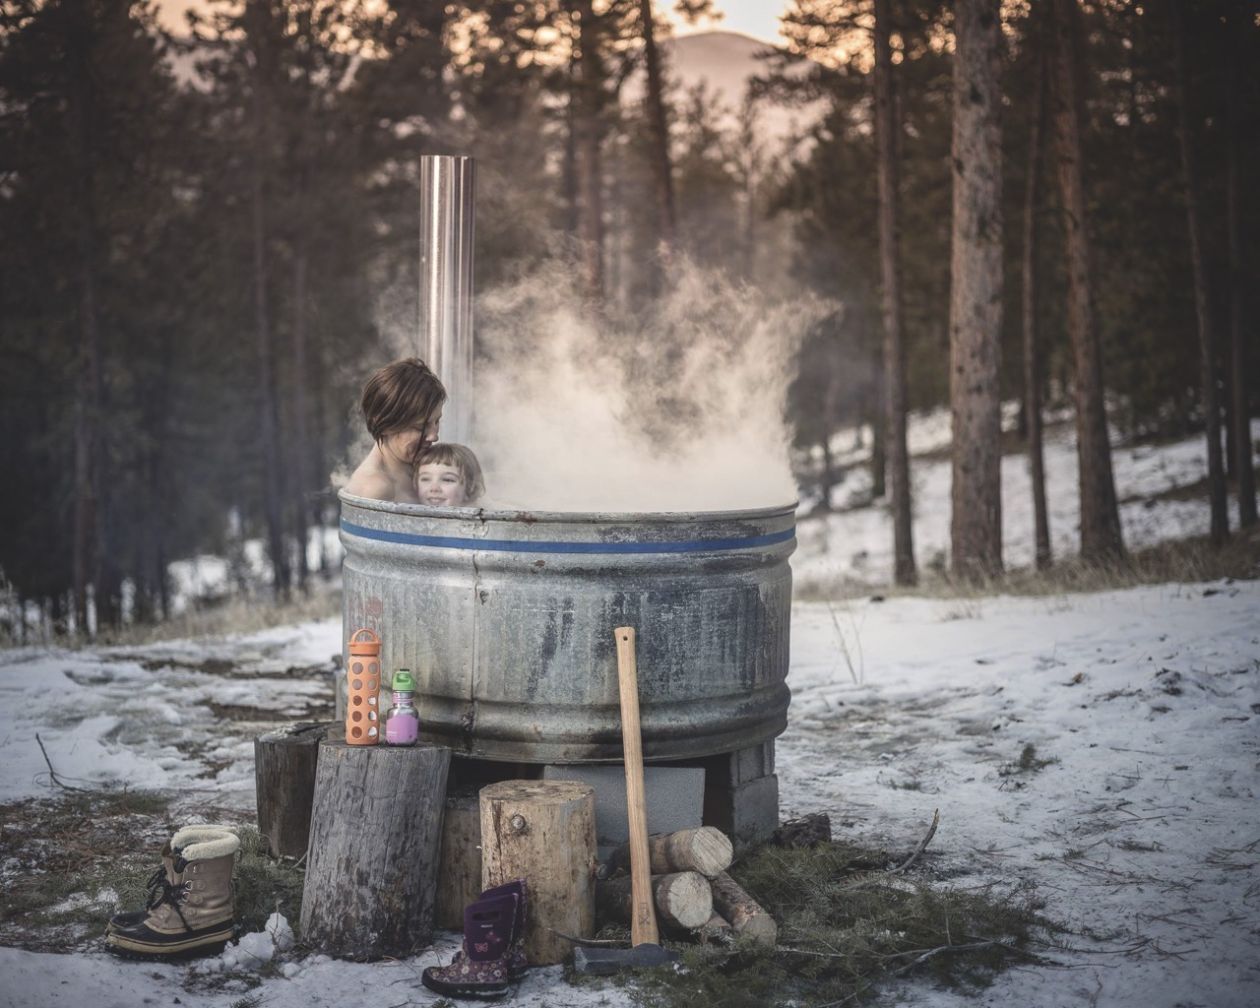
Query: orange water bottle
{"x": 363, "y": 687}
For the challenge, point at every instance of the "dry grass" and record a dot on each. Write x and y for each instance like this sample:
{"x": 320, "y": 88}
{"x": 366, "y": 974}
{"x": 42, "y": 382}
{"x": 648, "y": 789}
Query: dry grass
{"x": 1186, "y": 561}
{"x": 84, "y": 843}
{"x": 238, "y": 615}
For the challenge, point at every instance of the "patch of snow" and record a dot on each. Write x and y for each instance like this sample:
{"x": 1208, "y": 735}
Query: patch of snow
{"x": 855, "y": 546}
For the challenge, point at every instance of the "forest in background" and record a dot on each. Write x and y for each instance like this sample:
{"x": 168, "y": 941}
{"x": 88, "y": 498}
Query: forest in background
{"x": 208, "y": 238}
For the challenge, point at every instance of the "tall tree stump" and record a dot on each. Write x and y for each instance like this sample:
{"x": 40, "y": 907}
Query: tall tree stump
{"x": 371, "y": 869}
{"x": 284, "y": 779}
{"x": 459, "y": 866}
{"x": 543, "y": 832}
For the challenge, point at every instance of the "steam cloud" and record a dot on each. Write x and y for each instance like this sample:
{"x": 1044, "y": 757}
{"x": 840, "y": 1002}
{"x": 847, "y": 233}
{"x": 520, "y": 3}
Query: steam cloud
{"x": 681, "y": 410}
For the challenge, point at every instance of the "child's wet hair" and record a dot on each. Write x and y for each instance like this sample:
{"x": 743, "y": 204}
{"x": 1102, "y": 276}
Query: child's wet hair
{"x": 400, "y": 395}
{"x": 461, "y": 458}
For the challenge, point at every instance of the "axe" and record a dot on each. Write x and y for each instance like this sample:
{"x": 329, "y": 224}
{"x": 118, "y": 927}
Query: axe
{"x": 644, "y": 937}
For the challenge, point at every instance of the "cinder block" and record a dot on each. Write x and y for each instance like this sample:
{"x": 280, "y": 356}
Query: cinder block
{"x": 674, "y": 797}
{"x": 748, "y": 814}
{"x": 730, "y": 770}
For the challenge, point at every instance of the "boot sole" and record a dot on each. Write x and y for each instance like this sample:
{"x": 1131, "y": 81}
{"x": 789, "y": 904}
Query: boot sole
{"x": 479, "y": 992}
{"x": 188, "y": 948}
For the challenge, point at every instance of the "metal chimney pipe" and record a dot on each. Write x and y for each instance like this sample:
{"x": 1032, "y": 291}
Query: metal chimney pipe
{"x": 447, "y": 188}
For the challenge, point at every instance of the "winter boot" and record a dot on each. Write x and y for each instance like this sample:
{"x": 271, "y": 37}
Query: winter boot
{"x": 166, "y": 873}
{"x": 479, "y": 970}
{"x": 517, "y": 962}
{"x": 190, "y": 913}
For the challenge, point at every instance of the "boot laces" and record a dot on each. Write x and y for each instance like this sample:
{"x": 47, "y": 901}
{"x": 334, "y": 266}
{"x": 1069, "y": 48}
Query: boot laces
{"x": 164, "y": 892}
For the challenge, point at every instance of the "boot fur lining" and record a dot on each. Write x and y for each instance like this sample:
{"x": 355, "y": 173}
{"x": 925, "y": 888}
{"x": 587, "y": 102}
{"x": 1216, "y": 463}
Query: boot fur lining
{"x": 198, "y": 843}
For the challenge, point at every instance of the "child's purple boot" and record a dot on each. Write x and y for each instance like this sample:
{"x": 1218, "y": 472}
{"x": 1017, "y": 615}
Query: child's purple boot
{"x": 479, "y": 969}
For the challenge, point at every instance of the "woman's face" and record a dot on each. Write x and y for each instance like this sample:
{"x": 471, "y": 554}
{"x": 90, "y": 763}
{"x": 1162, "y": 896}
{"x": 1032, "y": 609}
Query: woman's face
{"x": 406, "y": 444}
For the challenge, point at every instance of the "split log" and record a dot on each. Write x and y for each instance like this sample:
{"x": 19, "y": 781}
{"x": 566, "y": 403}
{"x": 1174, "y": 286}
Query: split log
{"x": 706, "y": 850}
{"x": 371, "y": 868}
{"x": 544, "y": 832}
{"x": 747, "y": 918}
{"x": 459, "y": 866}
{"x": 683, "y": 900}
{"x": 284, "y": 779}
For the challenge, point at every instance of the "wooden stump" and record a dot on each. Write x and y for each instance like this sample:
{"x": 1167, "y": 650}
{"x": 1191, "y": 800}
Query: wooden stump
{"x": 459, "y": 866}
{"x": 683, "y": 900}
{"x": 372, "y": 862}
{"x": 543, "y": 832}
{"x": 284, "y": 778}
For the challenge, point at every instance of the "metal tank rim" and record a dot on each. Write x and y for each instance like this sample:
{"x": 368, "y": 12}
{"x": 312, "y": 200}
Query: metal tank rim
{"x": 526, "y": 515}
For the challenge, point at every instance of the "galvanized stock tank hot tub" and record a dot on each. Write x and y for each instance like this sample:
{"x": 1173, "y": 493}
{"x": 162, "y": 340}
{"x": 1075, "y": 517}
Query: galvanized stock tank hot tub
{"x": 506, "y": 620}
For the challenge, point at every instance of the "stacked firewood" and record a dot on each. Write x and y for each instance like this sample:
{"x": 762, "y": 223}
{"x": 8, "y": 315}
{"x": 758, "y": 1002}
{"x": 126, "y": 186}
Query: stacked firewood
{"x": 692, "y": 892}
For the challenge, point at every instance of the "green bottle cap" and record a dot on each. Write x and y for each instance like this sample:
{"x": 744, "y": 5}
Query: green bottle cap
{"x": 403, "y": 681}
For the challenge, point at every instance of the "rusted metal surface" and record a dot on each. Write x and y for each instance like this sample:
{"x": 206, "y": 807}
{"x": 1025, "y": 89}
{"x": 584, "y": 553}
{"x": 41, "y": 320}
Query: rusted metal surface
{"x": 506, "y": 620}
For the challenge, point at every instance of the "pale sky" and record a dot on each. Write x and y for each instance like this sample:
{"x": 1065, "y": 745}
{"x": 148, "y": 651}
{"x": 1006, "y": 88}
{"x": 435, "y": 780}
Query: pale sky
{"x": 758, "y": 18}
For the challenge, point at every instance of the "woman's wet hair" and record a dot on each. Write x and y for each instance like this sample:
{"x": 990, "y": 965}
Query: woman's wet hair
{"x": 461, "y": 458}
{"x": 401, "y": 395}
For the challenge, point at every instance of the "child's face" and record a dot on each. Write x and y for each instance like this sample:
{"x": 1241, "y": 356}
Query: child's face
{"x": 440, "y": 484}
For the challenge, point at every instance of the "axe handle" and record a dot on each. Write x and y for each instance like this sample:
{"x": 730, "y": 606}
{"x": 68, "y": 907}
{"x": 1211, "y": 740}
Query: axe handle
{"x": 643, "y": 913}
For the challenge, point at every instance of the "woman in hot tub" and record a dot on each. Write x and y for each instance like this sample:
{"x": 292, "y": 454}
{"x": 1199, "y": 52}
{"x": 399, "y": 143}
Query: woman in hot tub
{"x": 402, "y": 407}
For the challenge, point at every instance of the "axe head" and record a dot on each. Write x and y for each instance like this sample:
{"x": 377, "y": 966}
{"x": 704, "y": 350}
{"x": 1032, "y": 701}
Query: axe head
{"x": 605, "y": 962}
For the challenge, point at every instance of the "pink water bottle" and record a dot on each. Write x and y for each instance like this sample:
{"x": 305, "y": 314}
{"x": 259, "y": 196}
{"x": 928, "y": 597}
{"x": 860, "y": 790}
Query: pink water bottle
{"x": 402, "y": 723}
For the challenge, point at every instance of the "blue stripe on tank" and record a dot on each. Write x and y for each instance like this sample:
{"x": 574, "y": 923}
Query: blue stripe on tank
{"x": 544, "y": 546}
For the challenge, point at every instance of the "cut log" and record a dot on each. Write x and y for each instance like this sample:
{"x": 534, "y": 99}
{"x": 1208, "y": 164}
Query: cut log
{"x": 371, "y": 868}
{"x": 706, "y": 850}
{"x": 683, "y": 900}
{"x": 747, "y": 918}
{"x": 284, "y": 780}
{"x": 716, "y": 930}
{"x": 543, "y": 832}
{"x": 459, "y": 866}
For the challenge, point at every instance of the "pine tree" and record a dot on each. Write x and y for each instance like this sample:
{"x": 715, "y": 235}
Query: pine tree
{"x": 976, "y": 293}
{"x": 1100, "y": 517}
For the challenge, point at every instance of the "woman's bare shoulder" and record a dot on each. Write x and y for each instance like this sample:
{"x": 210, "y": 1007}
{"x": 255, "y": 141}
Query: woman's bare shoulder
{"x": 372, "y": 485}
{"x": 371, "y": 480}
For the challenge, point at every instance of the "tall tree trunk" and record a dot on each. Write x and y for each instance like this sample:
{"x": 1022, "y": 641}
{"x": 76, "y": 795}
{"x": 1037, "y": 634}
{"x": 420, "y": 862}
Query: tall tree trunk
{"x": 86, "y": 545}
{"x": 1028, "y": 310}
{"x": 1217, "y": 493}
{"x": 898, "y": 459}
{"x": 750, "y": 155}
{"x": 589, "y": 154}
{"x": 1101, "y": 537}
{"x": 662, "y": 170}
{"x": 268, "y": 397}
{"x": 1240, "y": 414}
{"x": 975, "y": 303}
{"x": 569, "y": 169}
{"x": 300, "y": 449}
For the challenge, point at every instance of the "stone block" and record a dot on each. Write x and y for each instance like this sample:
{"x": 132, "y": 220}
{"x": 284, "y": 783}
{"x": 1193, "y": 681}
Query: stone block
{"x": 730, "y": 770}
{"x": 748, "y": 813}
{"x": 674, "y": 797}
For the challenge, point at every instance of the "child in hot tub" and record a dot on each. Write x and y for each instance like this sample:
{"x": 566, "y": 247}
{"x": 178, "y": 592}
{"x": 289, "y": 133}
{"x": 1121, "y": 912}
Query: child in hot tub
{"x": 402, "y": 407}
{"x": 449, "y": 475}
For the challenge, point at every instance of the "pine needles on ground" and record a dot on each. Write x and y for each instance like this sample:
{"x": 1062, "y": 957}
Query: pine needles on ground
{"x": 847, "y": 923}
{"x": 264, "y": 885}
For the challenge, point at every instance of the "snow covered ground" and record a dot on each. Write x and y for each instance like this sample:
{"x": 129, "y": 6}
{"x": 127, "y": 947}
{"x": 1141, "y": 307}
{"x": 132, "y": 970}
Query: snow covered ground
{"x": 1133, "y": 815}
{"x": 854, "y": 546}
